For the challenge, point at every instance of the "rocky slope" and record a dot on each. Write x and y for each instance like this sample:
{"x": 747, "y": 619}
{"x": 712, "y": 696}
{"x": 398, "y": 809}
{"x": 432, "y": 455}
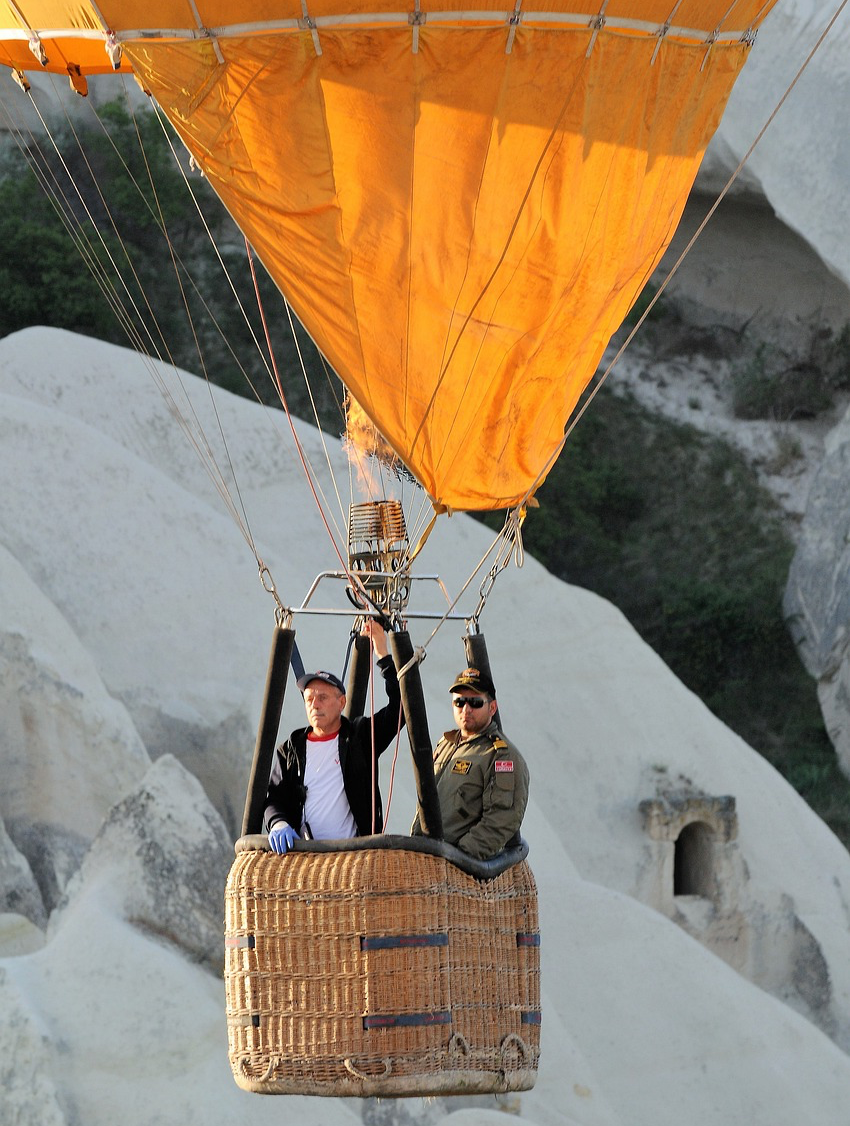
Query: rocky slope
{"x": 136, "y": 630}
{"x": 133, "y": 645}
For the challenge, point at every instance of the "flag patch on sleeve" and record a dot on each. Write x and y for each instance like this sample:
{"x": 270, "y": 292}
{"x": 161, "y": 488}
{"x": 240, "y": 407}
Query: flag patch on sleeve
{"x": 503, "y": 766}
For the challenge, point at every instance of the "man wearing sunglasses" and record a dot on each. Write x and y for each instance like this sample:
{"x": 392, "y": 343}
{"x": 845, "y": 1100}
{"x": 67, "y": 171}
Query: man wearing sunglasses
{"x": 482, "y": 779}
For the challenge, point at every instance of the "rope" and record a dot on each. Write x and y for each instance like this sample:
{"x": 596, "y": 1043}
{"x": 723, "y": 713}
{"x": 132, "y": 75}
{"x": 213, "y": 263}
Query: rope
{"x": 374, "y": 755}
{"x": 511, "y": 535}
{"x": 74, "y": 227}
{"x": 417, "y": 659}
{"x": 307, "y": 384}
{"x": 393, "y": 766}
{"x": 513, "y": 545}
{"x": 446, "y": 360}
{"x": 158, "y": 346}
{"x": 195, "y": 431}
{"x": 724, "y": 191}
{"x": 298, "y": 446}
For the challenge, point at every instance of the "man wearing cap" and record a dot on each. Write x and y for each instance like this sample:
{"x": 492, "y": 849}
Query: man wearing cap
{"x": 482, "y": 779}
{"x": 324, "y": 778}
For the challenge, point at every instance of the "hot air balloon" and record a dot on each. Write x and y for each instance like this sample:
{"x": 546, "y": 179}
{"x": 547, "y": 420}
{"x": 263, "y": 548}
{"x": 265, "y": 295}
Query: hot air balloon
{"x": 460, "y": 206}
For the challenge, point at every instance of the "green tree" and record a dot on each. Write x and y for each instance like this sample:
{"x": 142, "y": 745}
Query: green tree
{"x": 107, "y": 241}
{"x": 672, "y": 526}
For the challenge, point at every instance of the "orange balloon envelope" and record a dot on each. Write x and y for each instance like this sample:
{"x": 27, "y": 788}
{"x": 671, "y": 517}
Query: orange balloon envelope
{"x": 461, "y": 206}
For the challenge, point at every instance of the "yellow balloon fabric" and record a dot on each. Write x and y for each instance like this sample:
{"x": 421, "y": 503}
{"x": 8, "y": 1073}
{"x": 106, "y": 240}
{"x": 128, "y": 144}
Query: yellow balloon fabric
{"x": 460, "y": 211}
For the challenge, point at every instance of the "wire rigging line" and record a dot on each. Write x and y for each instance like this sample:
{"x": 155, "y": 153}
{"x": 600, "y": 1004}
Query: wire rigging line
{"x": 45, "y": 175}
{"x": 685, "y": 252}
{"x": 94, "y": 225}
{"x": 270, "y": 363}
{"x": 261, "y": 352}
{"x": 197, "y": 434}
{"x": 64, "y": 210}
{"x": 354, "y": 579}
{"x": 182, "y": 266}
{"x": 194, "y": 431}
{"x": 319, "y": 427}
{"x": 40, "y": 166}
{"x": 127, "y": 308}
{"x": 510, "y": 542}
{"x": 131, "y": 315}
{"x": 243, "y": 523}
{"x": 266, "y": 355}
{"x": 223, "y": 265}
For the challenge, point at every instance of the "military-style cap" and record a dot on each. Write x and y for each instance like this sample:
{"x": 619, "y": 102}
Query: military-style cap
{"x": 327, "y": 677}
{"x": 474, "y": 679}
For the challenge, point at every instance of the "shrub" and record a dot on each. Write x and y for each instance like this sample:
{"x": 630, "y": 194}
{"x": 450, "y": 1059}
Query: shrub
{"x": 771, "y": 383}
{"x": 672, "y": 526}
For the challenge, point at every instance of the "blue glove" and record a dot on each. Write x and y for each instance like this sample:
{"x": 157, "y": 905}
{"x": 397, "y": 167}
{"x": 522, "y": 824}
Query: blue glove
{"x": 281, "y": 837}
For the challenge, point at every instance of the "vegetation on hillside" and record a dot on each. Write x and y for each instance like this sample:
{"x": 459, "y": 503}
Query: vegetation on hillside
{"x": 672, "y": 526}
{"x": 115, "y": 192}
{"x": 667, "y": 523}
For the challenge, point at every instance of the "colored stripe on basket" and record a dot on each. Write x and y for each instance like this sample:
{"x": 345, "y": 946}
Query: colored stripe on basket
{"x": 403, "y": 1020}
{"x": 395, "y": 941}
{"x": 245, "y": 1020}
{"x": 532, "y": 1017}
{"x": 240, "y": 942}
{"x": 527, "y": 939}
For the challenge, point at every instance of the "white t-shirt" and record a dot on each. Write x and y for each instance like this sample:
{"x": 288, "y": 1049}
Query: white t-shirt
{"x": 326, "y": 808}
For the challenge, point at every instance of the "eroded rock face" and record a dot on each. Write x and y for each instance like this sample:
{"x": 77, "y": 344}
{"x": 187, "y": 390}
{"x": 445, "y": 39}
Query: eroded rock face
{"x": 696, "y": 875}
{"x": 131, "y": 559}
{"x": 798, "y": 164}
{"x": 19, "y": 894}
{"x": 70, "y": 750}
{"x": 817, "y": 595}
{"x": 162, "y": 857}
{"x": 210, "y": 752}
{"x": 27, "y": 1094}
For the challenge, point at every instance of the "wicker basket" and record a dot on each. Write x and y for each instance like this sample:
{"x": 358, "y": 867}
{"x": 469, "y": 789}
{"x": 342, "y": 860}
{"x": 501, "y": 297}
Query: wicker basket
{"x": 380, "y": 971}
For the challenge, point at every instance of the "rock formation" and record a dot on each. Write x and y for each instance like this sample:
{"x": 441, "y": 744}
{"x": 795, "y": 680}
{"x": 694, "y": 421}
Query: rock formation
{"x": 652, "y": 1007}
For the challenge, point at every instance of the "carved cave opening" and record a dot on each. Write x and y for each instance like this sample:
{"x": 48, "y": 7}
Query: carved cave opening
{"x": 693, "y": 861}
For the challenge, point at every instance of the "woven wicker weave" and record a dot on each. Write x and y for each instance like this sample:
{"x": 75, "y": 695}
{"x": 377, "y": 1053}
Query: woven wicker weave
{"x": 380, "y": 972}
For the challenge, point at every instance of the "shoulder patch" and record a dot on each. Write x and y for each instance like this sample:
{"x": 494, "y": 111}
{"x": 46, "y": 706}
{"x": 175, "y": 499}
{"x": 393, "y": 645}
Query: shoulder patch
{"x": 499, "y": 744}
{"x": 503, "y": 766}
{"x": 462, "y": 766}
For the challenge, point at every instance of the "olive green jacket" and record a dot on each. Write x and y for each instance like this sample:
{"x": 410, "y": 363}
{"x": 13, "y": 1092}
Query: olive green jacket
{"x": 482, "y": 787}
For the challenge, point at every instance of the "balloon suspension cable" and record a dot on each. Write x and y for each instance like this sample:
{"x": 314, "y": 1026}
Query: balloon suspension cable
{"x": 126, "y": 308}
{"x": 353, "y": 579}
{"x": 159, "y": 216}
{"x": 283, "y": 614}
{"x": 316, "y": 418}
{"x": 65, "y": 213}
{"x": 196, "y": 436}
{"x": 226, "y": 272}
{"x": 510, "y": 537}
{"x": 147, "y": 343}
{"x": 272, "y": 371}
{"x": 418, "y": 657}
{"x": 267, "y": 355}
{"x": 674, "y": 269}
{"x": 88, "y": 248}
{"x": 512, "y": 540}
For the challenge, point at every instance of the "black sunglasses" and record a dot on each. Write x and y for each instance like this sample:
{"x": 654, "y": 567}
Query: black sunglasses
{"x": 475, "y": 702}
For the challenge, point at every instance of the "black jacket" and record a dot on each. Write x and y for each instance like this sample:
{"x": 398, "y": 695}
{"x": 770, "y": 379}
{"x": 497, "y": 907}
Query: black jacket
{"x": 286, "y": 792}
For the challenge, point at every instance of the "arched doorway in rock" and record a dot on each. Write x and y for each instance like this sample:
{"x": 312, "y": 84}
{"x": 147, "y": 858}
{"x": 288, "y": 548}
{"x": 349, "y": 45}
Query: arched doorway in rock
{"x": 693, "y": 861}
